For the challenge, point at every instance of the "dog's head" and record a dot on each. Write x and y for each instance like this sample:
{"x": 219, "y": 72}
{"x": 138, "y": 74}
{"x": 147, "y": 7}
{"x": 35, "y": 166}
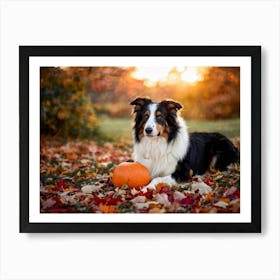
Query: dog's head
{"x": 155, "y": 119}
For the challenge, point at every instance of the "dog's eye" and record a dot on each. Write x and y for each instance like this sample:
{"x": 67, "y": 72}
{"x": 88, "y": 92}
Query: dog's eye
{"x": 161, "y": 120}
{"x": 146, "y": 117}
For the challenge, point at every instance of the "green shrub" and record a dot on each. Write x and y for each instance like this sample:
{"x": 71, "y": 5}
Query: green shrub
{"x": 66, "y": 109}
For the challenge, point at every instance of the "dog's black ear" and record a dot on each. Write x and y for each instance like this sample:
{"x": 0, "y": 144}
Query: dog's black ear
{"x": 140, "y": 102}
{"x": 171, "y": 105}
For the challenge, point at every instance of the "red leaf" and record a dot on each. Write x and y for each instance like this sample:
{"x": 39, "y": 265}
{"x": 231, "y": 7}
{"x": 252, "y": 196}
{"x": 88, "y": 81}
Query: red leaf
{"x": 60, "y": 185}
{"x": 170, "y": 197}
{"x": 97, "y": 199}
{"x": 112, "y": 201}
{"x": 164, "y": 189}
{"x": 148, "y": 194}
{"x": 209, "y": 182}
{"x": 187, "y": 201}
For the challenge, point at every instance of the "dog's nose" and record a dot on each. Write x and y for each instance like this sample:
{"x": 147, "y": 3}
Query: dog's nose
{"x": 148, "y": 130}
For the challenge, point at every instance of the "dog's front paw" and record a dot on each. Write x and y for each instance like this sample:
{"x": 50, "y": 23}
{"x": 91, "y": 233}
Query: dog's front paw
{"x": 168, "y": 180}
{"x": 151, "y": 185}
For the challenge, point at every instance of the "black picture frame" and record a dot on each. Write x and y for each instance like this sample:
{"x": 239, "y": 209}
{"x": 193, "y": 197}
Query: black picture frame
{"x": 254, "y": 52}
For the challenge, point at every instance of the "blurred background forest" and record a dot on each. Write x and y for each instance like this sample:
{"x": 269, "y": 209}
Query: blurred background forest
{"x": 90, "y": 102}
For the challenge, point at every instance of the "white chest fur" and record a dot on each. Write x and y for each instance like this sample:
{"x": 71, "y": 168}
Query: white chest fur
{"x": 160, "y": 157}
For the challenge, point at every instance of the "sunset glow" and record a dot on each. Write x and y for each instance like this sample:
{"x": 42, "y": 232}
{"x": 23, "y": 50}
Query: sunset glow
{"x": 153, "y": 75}
{"x": 190, "y": 75}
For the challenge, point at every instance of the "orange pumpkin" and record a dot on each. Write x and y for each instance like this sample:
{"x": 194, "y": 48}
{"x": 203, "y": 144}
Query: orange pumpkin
{"x": 133, "y": 174}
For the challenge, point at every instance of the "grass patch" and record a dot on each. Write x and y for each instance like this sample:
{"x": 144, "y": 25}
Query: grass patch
{"x": 228, "y": 127}
{"x": 121, "y": 128}
{"x": 116, "y": 128}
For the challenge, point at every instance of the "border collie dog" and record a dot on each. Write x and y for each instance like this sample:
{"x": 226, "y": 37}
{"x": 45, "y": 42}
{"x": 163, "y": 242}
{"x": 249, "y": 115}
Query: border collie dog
{"x": 172, "y": 155}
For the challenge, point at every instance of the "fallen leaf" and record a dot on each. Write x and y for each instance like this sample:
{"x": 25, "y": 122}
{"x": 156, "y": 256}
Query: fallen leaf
{"x": 201, "y": 187}
{"x": 162, "y": 198}
{"x": 108, "y": 208}
{"x": 48, "y": 203}
{"x": 221, "y": 204}
{"x": 90, "y": 188}
{"x": 138, "y": 199}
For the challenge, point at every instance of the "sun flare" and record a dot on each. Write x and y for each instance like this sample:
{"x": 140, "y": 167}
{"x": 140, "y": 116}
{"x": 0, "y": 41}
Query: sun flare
{"x": 190, "y": 75}
{"x": 153, "y": 75}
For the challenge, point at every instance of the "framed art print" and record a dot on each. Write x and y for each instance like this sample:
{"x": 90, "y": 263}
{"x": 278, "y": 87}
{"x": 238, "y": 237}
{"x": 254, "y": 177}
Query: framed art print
{"x": 140, "y": 138}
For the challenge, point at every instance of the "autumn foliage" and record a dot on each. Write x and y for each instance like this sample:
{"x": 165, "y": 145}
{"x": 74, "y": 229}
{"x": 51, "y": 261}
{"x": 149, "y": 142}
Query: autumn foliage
{"x": 215, "y": 96}
{"x": 66, "y": 108}
{"x": 76, "y": 177}
{"x": 73, "y": 98}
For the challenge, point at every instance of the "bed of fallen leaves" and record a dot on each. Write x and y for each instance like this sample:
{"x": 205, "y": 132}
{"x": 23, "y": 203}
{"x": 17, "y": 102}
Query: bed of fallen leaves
{"x": 66, "y": 169}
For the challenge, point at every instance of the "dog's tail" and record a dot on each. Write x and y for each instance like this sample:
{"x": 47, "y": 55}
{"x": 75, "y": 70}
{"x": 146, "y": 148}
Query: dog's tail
{"x": 236, "y": 144}
{"x": 237, "y": 154}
